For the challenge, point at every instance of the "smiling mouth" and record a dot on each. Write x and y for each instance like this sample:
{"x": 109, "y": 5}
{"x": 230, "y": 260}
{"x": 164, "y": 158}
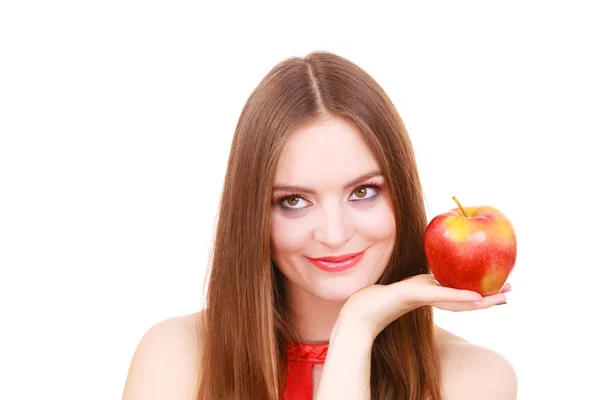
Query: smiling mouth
{"x": 337, "y": 263}
{"x": 337, "y": 258}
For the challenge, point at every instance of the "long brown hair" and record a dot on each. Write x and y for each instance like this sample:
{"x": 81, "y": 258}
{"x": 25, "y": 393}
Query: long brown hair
{"x": 246, "y": 324}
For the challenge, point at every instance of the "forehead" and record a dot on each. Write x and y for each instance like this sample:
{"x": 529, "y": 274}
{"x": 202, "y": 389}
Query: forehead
{"x": 326, "y": 152}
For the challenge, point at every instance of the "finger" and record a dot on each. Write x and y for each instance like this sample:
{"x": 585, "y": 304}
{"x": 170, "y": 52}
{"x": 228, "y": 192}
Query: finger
{"x": 507, "y": 288}
{"x": 446, "y": 294}
{"x": 450, "y": 294}
{"x": 435, "y": 294}
{"x": 422, "y": 289}
{"x": 493, "y": 300}
{"x": 457, "y": 307}
{"x": 486, "y": 302}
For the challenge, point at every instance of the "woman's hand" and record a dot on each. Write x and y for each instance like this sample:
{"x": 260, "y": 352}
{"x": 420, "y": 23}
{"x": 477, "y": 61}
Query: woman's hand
{"x": 376, "y": 306}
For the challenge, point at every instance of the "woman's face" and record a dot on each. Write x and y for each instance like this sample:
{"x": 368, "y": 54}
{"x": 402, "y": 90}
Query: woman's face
{"x": 329, "y": 199}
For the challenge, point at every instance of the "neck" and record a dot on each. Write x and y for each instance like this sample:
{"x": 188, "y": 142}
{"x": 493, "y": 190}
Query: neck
{"x": 313, "y": 318}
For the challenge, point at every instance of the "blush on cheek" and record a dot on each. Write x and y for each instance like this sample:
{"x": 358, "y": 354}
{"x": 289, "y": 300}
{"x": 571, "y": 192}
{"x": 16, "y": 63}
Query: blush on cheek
{"x": 289, "y": 236}
{"x": 378, "y": 223}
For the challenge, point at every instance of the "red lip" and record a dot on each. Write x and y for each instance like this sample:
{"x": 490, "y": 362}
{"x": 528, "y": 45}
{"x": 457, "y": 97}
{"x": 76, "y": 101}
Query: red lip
{"x": 336, "y": 258}
{"x": 338, "y": 263}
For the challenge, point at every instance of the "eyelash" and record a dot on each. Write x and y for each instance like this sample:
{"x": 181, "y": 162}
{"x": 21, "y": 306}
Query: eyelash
{"x": 286, "y": 196}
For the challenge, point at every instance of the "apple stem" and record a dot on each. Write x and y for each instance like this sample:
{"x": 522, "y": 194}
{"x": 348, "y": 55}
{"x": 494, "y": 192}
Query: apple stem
{"x": 460, "y": 206}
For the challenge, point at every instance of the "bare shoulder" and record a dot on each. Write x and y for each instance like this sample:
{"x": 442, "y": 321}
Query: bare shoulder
{"x": 165, "y": 362}
{"x": 474, "y": 372}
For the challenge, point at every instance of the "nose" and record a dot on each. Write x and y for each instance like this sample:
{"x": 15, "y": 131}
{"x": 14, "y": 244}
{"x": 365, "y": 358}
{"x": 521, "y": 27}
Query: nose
{"x": 334, "y": 229}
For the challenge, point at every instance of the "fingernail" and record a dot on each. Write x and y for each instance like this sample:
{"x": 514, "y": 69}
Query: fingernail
{"x": 499, "y": 304}
{"x": 507, "y": 290}
{"x": 477, "y": 303}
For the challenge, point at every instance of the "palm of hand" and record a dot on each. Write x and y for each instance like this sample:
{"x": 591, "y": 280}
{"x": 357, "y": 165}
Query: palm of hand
{"x": 377, "y": 306}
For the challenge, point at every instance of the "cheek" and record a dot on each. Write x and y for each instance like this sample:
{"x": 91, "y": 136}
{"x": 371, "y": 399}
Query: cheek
{"x": 289, "y": 235}
{"x": 378, "y": 224}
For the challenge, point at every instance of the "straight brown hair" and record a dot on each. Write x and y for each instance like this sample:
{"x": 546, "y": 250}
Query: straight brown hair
{"x": 246, "y": 323}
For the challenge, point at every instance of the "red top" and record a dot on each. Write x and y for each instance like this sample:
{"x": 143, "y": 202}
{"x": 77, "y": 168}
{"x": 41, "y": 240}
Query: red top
{"x": 301, "y": 359}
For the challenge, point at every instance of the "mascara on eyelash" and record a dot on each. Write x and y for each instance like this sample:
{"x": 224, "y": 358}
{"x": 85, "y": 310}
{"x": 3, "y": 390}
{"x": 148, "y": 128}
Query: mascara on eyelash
{"x": 376, "y": 187}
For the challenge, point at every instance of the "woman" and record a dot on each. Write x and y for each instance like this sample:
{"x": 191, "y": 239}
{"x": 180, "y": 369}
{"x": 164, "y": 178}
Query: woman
{"x": 319, "y": 253}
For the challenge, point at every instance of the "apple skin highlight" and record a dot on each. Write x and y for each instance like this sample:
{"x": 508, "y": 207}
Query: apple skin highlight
{"x": 471, "y": 248}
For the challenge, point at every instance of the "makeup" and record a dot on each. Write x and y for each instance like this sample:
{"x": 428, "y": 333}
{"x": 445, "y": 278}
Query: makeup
{"x": 337, "y": 264}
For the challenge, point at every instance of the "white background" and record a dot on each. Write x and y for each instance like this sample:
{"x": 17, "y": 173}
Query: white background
{"x": 115, "y": 124}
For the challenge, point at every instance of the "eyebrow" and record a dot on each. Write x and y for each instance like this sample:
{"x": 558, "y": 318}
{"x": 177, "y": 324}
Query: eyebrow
{"x": 349, "y": 185}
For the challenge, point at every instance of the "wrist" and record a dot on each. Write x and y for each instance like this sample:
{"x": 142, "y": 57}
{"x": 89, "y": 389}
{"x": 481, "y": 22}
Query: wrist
{"x": 348, "y": 326}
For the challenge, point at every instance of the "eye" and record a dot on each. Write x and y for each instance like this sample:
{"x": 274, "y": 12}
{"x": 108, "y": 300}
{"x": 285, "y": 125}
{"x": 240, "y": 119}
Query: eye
{"x": 293, "y": 202}
{"x": 362, "y": 192}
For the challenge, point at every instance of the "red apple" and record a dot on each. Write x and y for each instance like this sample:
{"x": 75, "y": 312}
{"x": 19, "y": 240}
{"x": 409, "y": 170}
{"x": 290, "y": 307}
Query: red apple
{"x": 471, "y": 248}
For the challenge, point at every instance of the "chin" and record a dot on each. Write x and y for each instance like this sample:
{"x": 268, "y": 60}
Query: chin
{"x": 336, "y": 291}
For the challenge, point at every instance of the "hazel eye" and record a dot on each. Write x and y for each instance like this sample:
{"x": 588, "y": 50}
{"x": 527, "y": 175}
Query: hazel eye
{"x": 361, "y": 192}
{"x": 292, "y": 201}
